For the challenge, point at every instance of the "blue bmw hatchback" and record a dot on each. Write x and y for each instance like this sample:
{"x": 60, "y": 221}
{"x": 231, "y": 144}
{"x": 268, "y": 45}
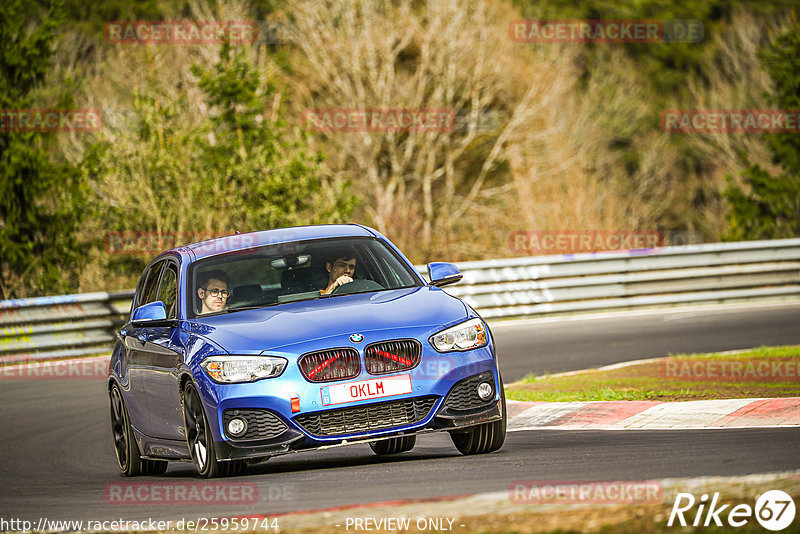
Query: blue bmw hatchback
{"x": 255, "y": 345}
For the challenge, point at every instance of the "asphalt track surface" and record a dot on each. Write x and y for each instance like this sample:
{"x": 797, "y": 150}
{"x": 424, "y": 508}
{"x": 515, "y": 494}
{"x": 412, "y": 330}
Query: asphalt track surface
{"x": 57, "y": 459}
{"x": 556, "y": 345}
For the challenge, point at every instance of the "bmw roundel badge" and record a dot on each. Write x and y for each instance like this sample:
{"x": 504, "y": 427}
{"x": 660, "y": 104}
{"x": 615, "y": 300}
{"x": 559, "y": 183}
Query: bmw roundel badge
{"x": 356, "y": 338}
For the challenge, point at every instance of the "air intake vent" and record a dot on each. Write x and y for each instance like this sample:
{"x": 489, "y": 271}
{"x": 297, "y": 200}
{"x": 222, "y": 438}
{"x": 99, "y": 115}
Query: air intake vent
{"x": 378, "y": 416}
{"x": 391, "y": 356}
{"x": 261, "y": 424}
{"x": 327, "y": 365}
{"x": 464, "y": 395}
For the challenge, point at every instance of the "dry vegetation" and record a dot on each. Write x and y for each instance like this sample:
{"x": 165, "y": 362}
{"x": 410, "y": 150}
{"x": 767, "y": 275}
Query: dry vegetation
{"x": 530, "y": 150}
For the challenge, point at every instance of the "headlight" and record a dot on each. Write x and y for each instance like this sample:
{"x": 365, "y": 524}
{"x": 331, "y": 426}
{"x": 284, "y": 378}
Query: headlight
{"x": 232, "y": 369}
{"x": 465, "y": 336}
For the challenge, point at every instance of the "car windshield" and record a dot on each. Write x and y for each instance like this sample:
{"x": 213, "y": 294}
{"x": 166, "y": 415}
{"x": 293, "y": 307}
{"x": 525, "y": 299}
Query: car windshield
{"x": 288, "y": 272}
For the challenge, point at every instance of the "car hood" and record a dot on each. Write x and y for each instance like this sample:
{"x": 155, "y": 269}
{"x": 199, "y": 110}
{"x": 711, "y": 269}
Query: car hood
{"x": 253, "y": 331}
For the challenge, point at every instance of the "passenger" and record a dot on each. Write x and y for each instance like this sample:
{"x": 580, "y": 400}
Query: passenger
{"x": 340, "y": 270}
{"x": 213, "y": 291}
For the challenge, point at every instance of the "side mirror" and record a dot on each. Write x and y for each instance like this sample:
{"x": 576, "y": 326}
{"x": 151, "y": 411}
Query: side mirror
{"x": 151, "y": 314}
{"x": 441, "y": 273}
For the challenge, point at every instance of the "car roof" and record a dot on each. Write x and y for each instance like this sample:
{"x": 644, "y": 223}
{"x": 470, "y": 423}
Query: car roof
{"x": 219, "y": 245}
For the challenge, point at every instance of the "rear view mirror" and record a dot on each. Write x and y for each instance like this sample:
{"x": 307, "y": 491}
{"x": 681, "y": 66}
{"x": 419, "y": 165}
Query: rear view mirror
{"x": 290, "y": 261}
{"x": 151, "y": 314}
{"x": 442, "y": 273}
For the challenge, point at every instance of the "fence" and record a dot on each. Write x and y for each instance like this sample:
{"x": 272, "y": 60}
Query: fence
{"x": 64, "y": 326}
{"x": 717, "y": 272}
{"x": 80, "y": 325}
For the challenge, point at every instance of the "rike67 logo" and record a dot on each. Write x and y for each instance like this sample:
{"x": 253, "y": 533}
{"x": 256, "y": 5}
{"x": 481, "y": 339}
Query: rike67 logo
{"x": 774, "y": 510}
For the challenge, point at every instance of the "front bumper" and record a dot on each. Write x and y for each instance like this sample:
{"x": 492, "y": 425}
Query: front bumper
{"x": 441, "y": 398}
{"x": 459, "y": 408}
{"x": 292, "y": 440}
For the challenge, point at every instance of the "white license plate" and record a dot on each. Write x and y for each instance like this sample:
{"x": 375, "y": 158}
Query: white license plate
{"x": 367, "y": 389}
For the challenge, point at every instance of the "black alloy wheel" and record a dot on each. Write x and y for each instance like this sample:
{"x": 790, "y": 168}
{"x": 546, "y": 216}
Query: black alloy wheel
{"x": 201, "y": 441}
{"x": 129, "y": 459}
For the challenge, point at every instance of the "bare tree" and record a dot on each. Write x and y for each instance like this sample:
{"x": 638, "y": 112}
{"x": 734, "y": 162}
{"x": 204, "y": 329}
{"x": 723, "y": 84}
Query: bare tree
{"x": 443, "y": 55}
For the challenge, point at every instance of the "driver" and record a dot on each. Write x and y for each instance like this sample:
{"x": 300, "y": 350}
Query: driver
{"x": 213, "y": 291}
{"x": 340, "y": 270}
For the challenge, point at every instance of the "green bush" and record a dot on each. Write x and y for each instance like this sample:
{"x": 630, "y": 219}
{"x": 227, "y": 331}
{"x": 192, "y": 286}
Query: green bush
{"x": 768, "y": 207}
{"x": 42, "y": 199}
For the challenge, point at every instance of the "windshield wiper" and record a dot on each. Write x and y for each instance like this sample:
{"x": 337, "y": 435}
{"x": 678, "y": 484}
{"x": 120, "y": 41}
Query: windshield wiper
{"x": 240, "y": 308}
{"x": 365, "y": 291}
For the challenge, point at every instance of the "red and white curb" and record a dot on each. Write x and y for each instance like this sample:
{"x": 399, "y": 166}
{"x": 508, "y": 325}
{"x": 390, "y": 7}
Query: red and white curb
{"x": 636, "y": 415}
{"x": 600, "y": 415}
{"x": 457, "y": 510}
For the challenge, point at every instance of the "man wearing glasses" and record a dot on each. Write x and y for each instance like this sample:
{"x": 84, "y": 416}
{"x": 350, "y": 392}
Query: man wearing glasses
{"x": 340, "y": 270}
{"x": 213, "y": 291}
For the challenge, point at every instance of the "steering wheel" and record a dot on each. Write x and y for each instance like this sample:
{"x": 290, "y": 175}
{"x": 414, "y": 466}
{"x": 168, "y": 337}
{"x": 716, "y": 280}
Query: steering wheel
{"x": 357, "y": 286}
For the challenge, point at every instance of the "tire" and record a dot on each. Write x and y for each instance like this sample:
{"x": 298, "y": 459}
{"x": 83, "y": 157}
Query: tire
{"x": 129, "y": 458}
{"x": 393, "y": 445}
{"x": 125, "y": 447}
{"x": 201, "y": 441}
{"x": 483, "y": 438}
{"x": 154, "y": 467}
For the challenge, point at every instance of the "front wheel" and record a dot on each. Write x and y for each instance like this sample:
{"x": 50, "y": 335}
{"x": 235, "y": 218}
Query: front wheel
{"x": 393, "y": 445}
{"x": 201, "y": 441}
{"x": 486, "y": 437}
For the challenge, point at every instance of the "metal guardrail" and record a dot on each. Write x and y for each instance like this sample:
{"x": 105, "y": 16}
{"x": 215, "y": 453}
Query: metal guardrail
{"x": 81, "y": 325}
{"x": 48, "y": 328}
{"x": 716, "y": 272}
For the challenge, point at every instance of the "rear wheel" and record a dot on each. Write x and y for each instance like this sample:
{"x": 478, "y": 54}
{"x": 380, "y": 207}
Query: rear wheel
{"x": 487, "y": 437}
{"x": 124, "y": 444}
{"x": 129, "y": 459}
{"x": 201, "y": 441}
{"x": 393, "y": 445}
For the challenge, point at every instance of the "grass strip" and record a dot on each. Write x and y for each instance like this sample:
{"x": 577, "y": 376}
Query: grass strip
{"x": 761, "y": 372}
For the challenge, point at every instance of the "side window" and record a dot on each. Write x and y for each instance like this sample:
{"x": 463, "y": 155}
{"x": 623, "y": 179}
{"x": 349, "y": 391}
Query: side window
{"x": 168, "y": 292}
{"x": 150, "y": 285}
